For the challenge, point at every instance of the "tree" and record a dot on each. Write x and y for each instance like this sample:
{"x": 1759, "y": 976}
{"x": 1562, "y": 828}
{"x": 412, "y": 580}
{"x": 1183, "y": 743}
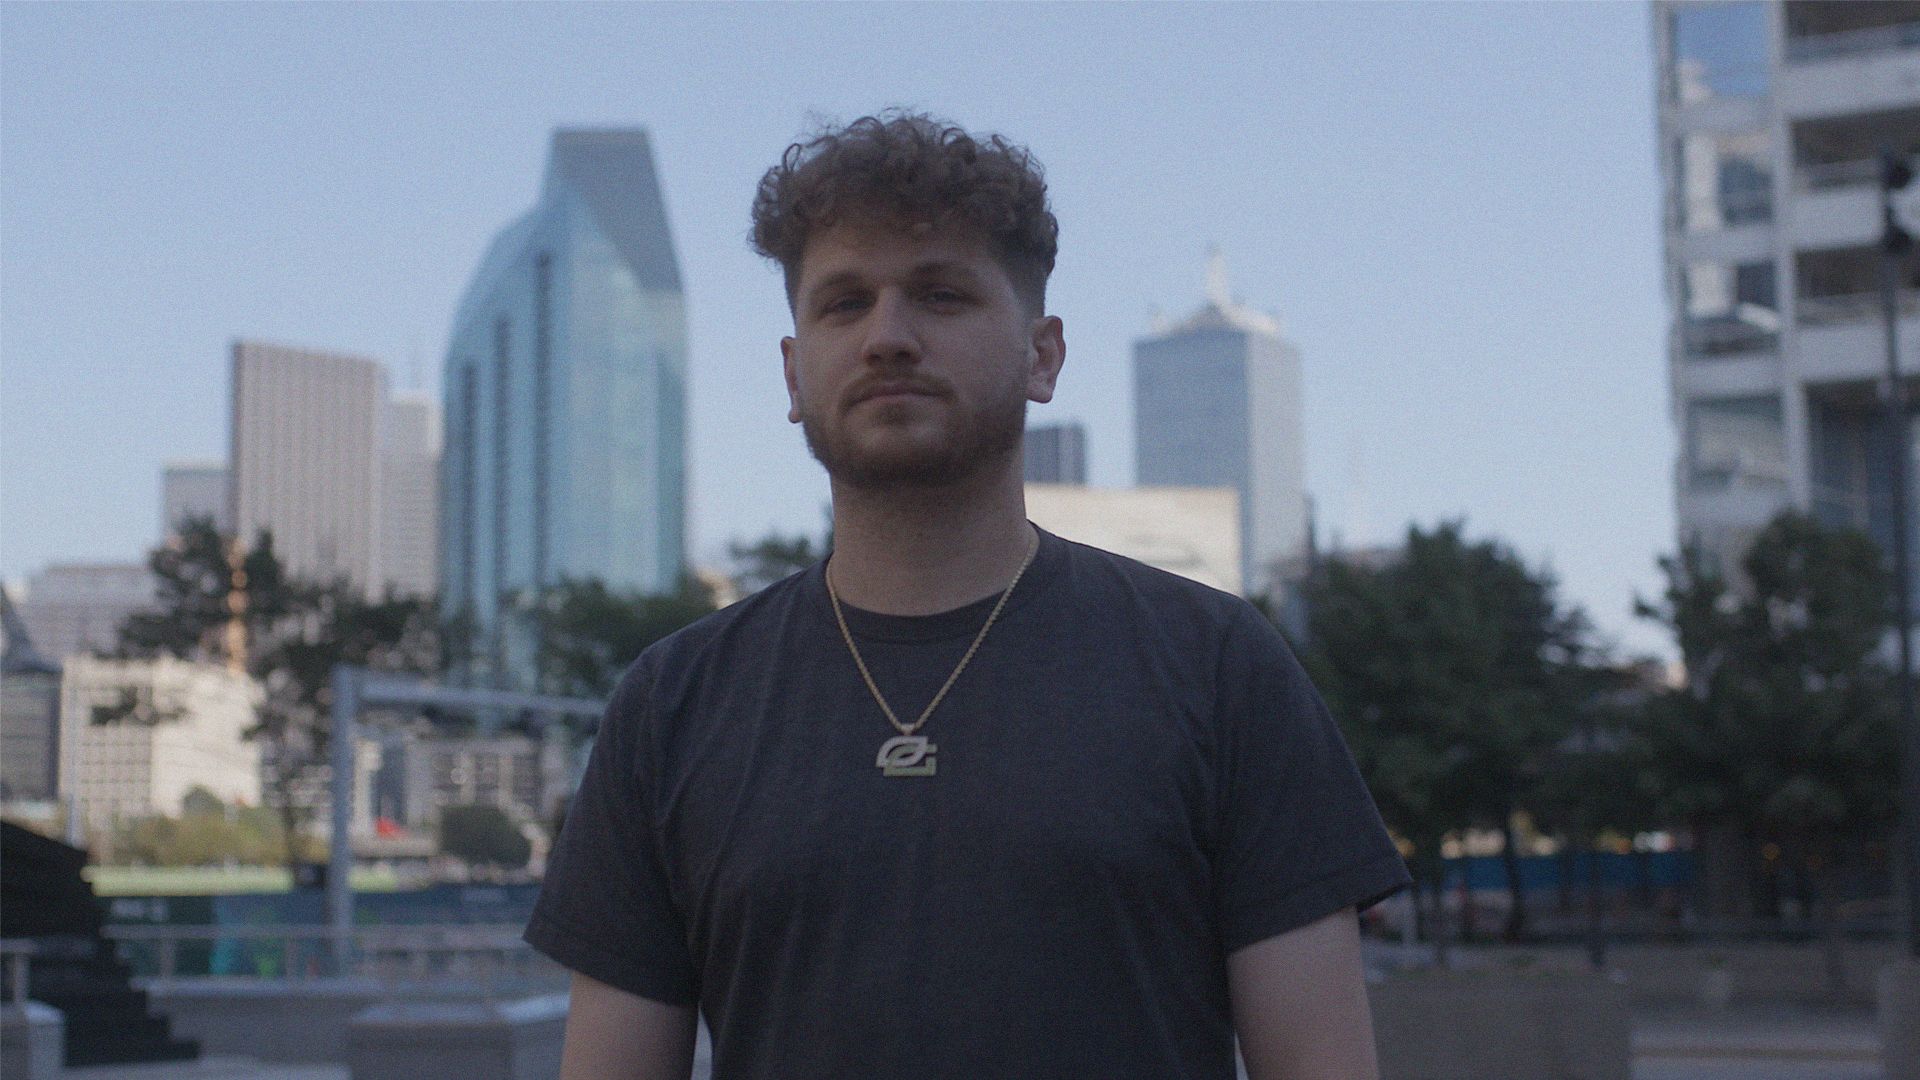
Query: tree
{"x": 771, "y": 558}
{"x": 1784, "y": 734}
{"x": 483, "y": 836}
{"x": 333, "y": 625}
{"x": 200, "y": 590}
{"x": 589, "y": 633}
{"x": 1453, "y": 673}
{"x": 293, "y": 633}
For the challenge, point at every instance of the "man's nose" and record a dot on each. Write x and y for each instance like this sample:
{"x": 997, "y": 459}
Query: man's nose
{"x": 891, "y": 332}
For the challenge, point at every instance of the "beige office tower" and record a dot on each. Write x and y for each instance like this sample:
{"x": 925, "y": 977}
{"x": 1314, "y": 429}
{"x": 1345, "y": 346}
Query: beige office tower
{"x": 410, "y": 494}
{"x": 306, "y": 445}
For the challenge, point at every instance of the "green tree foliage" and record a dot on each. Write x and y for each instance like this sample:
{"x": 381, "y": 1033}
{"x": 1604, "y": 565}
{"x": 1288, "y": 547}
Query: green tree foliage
{"x": 295, "y": 632}
{"x": 772, "y": 557}
{"x": 483, "y": 836}
{"x": 589, "y": 633}
{"x": 1785, "y": 730}
{"x": 207, "y": 833}
{"x": 196, "y": 586}
{"x": 1453, "y": 673}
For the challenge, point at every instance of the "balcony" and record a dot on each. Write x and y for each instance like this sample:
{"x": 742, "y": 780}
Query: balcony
{"x": 1849, "y": 58}
{"x": 1836, "y": 174}
{"x": 1825, "y": 29}
{"x": 1728, "y": 336}
{"x": 1851, "y": 308}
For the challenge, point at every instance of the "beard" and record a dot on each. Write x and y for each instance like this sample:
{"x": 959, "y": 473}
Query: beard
{"x": 978, "y": 440}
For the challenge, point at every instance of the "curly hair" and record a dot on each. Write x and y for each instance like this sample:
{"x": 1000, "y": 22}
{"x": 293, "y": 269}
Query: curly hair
{"x": 911, "y": 169}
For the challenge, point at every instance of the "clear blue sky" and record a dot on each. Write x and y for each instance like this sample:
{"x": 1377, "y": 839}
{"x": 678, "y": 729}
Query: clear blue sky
{"x": 1453, "y": 208}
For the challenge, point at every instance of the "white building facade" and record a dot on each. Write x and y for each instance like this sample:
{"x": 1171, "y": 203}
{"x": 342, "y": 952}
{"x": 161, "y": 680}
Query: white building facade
{"x": 137, "y": 735}
{"x": 1193, "y": 532}
{"x": 1218, "y": 403}
{"x": 1771, "y": 119}
{"x": 305, "y": 458}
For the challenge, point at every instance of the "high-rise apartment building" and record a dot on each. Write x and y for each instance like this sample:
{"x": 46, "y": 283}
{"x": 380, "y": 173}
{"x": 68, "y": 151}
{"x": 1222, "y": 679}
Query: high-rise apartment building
{"x": 1771, "y": 119}
{"x": 1217, "y": 403}
{"x": 1056, "y": 454}
{"x": 306, "y": 429}
{"x": 565, "y": 401}
{"x": 410, "y": 494}
{"x": 194, "y": 489}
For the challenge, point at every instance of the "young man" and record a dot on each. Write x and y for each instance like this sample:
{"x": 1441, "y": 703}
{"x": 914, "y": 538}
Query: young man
{"x": 966, "y": 800}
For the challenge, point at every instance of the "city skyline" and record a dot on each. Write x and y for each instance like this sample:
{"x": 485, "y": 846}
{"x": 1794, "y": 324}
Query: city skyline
{"x": 1467, "y": 253}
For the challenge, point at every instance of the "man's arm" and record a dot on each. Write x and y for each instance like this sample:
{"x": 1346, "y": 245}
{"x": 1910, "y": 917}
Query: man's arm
{"x": 614, "y": 1035}
{"x": 1300, "y": 1004}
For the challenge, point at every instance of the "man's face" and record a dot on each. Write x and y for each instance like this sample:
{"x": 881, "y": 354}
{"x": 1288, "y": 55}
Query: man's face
{"x": 912, "y": 360}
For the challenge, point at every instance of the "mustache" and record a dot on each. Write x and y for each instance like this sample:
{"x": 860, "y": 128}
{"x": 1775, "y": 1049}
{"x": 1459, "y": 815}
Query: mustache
{"x": 890, "y": 384}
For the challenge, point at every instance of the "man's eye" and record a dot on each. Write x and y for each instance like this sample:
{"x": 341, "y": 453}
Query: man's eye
{"x": 945, "y": 296}
{"x": 842, "y": 304}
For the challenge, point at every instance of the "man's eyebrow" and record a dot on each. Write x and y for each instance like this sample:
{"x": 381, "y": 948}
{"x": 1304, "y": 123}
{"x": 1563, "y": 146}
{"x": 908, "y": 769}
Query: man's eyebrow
{"x": 834, "y": 281}
{"x": 930, "y": 268}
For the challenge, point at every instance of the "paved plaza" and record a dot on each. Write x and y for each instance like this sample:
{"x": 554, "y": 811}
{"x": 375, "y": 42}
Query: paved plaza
{"x": 1745, "y": 1044}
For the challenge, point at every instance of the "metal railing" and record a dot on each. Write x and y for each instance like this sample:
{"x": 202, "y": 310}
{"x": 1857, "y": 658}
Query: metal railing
{"x": 1848, "y": 307}
{"x": 481, "y": 953}
{"x": 1837, "y": 174}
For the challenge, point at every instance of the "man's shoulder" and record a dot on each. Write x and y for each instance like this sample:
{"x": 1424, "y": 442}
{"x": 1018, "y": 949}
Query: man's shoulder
{"x": 1098, "y": 573}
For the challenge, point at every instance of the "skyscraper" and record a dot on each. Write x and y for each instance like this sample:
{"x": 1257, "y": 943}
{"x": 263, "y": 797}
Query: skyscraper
{"x": 305, "y": 438}
{"x": 409, "y": 493}
{"x": 565, "y": 404}
{"x": 1056, "y": 454}
{"x": 1217, "y": 403}
{"x": 1771, "y": 117}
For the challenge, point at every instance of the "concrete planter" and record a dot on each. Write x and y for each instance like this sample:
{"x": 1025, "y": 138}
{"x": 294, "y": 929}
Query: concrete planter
{"x": 476, "y": 1040}
{"x": 277, "y": 1020}
{"x": 1899, "y": 1007}
{"x": 1502, "y": 1022}
{"x": 32, "y": 1041}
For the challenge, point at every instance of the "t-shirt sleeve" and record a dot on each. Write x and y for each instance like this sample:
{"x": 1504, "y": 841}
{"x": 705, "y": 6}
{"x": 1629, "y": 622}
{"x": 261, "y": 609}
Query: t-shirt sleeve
{"x": 605, "y": 909}
{"x": 1299, "y": 836}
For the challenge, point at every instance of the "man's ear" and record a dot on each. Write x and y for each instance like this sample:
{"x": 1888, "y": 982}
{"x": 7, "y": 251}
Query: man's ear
{"x": 793, "y": 384}
{"x": 1047, "y": 351}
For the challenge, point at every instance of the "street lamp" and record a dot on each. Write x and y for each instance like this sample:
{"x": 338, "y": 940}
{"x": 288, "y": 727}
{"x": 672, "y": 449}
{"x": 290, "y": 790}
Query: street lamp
{"x": 1895, "y": 174}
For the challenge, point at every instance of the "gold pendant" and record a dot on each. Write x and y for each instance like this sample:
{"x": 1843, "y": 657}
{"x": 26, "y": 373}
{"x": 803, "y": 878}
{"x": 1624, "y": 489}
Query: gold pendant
{"x": 906, "y": 755}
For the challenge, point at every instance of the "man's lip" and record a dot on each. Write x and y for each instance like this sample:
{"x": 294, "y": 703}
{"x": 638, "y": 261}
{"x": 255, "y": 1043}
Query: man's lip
{"x": 892, "y": 390}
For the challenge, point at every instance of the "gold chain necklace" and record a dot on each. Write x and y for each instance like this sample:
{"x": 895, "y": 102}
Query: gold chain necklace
{"x": 908, "y": 754}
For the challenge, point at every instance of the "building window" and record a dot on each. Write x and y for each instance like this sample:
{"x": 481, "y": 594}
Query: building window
{"x": 1730, "y": 309}
{"x": 1736, "y": 442}
{"x": 1719, "y": 51}
{"x": 1725, "y": 180}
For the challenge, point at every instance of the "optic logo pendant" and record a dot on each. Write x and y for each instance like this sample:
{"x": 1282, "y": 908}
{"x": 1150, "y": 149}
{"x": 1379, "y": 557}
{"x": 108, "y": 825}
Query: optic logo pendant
{"x": 906, "y": 755}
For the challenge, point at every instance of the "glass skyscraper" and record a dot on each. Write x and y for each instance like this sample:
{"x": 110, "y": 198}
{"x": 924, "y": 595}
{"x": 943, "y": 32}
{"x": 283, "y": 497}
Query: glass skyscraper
{"x": 565, "y": 404}
{"x": 1217, "y": 402}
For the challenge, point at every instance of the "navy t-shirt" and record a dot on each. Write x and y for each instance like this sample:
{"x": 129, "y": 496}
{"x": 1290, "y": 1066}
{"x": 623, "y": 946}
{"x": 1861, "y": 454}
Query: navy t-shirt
{"x": 1133, "y": 779}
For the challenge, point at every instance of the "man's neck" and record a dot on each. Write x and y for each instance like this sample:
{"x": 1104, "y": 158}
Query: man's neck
{"x": 922, "y": 552}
